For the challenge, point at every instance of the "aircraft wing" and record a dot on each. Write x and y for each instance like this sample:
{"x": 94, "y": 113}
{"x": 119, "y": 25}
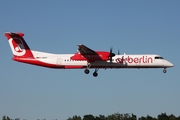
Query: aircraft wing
{"x": 90, "y": 55}
{"x": 86, "y": 53}
{"x": 85, "y": 50}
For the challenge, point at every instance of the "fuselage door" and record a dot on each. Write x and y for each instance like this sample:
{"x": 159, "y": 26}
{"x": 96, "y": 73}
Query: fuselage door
{"x": 59, "y": 62}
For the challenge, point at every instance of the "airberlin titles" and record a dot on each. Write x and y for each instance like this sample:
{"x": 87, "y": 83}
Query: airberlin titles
{"x": 128, "y": 59}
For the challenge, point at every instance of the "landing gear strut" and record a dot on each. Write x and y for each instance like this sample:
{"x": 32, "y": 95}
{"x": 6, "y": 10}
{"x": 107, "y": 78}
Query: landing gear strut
{"x": 86, "y": 71}
{"x": 95, "y": 74}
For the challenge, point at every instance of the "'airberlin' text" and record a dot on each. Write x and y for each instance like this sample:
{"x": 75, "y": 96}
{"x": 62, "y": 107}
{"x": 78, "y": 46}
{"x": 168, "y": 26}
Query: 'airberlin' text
{"x": 128, "y": 59}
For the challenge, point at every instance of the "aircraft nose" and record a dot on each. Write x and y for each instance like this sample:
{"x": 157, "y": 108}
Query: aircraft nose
{"x": 170, "y": 64}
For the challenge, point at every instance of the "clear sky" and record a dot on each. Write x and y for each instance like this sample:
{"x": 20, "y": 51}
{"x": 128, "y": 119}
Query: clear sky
{"x": 134, "y": 27}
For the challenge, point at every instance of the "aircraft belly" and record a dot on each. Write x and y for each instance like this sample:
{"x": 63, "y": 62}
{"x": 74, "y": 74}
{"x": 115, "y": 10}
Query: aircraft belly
{"x": 107, "y": 64}
{"x": 122, "y": 65}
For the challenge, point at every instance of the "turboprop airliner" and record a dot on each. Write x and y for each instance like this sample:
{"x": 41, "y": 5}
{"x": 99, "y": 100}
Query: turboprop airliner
{"x": 85, "y": 58}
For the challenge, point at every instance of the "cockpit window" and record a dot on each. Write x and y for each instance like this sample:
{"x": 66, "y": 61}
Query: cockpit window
{"x": 158, "y": 57}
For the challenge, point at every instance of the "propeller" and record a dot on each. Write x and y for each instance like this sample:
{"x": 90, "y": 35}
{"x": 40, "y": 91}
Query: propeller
{"x": 118, "y": 52}
{"x": 111, "y": 54}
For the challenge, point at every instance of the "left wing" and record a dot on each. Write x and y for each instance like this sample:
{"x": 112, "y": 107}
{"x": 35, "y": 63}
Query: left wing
{"x": 85, "y": 50}
{"x": 86, "y": 53}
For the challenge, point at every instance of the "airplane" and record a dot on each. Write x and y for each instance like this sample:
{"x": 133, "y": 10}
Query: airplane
{"x": 85, "y": 58}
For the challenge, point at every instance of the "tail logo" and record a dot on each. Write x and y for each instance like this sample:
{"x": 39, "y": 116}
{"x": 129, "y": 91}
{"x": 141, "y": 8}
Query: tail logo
{"x": 17, "y": 46}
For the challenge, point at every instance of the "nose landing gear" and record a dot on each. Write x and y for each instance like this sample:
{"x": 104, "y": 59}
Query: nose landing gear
{"x": 164, "y": 71}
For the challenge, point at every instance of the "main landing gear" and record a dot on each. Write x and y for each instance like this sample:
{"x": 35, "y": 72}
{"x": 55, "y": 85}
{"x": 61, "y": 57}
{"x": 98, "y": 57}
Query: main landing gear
{"x": 95, "y": 74}
{"x": 86, "y": 71}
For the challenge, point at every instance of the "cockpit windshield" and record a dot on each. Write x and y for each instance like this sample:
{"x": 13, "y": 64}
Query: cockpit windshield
{"x": 159, "y": 57}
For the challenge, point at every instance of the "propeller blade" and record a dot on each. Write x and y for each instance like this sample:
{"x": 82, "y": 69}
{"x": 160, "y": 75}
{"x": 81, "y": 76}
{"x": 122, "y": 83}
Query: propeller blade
{"x": 111, "y": 50}
{"x": 111, "y": 54}
{"x": 118, "y": 52}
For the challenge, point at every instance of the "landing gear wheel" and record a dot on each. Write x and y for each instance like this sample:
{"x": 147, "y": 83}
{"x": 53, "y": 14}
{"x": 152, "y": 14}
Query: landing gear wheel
{"x": 86, "y": 71}
{"x": 164, "y": 71}
{"x": 95, "y": 74}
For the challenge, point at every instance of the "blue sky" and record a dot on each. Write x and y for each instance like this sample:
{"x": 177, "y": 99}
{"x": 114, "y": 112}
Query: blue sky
{"x": 147, "y": 27}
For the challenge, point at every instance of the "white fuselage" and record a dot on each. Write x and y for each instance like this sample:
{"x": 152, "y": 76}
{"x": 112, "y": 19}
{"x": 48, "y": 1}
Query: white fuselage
{"x": 118, "y": 61}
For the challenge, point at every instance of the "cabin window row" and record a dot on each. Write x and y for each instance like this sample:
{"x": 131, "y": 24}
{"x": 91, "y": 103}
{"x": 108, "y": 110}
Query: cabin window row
{"x": 67, "y": 60}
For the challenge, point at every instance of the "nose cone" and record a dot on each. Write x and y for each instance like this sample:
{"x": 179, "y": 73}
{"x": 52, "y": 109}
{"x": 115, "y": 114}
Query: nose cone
{"x": 169, "y": 64}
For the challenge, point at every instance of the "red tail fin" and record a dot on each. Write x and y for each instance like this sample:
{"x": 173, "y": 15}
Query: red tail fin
{"x": 18, "y": 45}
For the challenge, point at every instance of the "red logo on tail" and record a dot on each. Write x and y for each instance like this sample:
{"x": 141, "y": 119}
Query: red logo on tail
{"x": 18, "y": 44}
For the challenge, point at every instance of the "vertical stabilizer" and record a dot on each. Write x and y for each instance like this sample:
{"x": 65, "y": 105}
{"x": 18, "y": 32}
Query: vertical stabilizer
{"x": 19, "y": 47}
